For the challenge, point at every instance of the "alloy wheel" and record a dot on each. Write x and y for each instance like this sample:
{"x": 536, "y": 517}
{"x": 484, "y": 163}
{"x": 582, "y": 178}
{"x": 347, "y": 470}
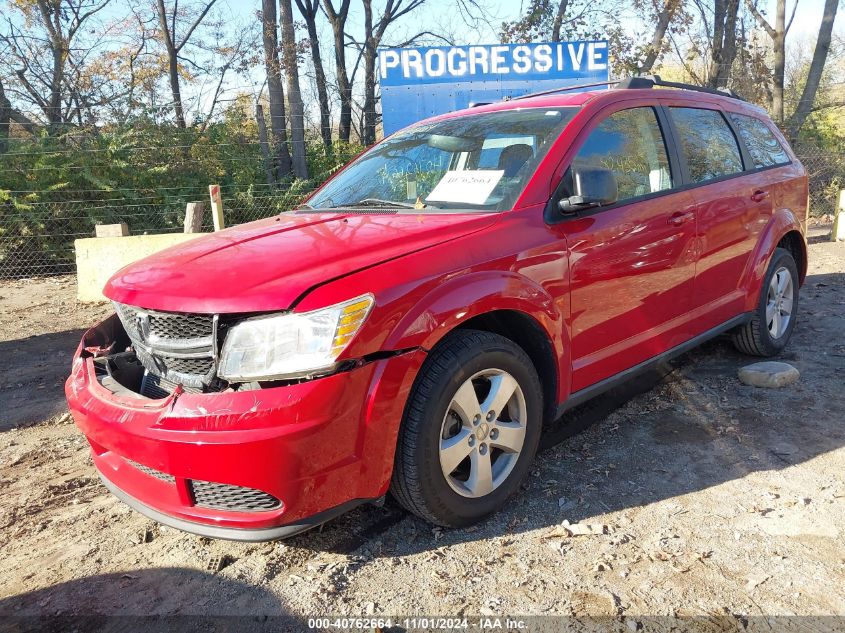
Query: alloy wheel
{"x": 779, "y": 302}
{"x": 483, "y": 433}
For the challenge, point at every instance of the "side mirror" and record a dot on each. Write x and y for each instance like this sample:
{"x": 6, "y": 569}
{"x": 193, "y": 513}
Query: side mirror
{"x": 593, "y": 187}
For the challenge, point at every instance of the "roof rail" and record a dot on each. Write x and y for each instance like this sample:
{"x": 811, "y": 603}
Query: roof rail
{"x": 564, "y": 89}
{"x": 633, "y": 83}
{"x": 650, "y": 81}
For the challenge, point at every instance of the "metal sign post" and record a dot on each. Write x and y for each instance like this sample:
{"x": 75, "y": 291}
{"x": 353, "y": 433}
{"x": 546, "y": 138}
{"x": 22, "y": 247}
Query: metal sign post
{"x": 417, "y": 83}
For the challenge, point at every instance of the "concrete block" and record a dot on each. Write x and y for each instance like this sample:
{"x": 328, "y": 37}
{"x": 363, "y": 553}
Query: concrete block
{"x": 98, "y": 258}
{"x": 769, "y": 374}
{"x": 111, "y": 230}
{"x": 838, "y": 233}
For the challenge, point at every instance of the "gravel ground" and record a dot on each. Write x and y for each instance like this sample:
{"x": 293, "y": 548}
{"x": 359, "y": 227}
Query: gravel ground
{"x": 705, "y": 497}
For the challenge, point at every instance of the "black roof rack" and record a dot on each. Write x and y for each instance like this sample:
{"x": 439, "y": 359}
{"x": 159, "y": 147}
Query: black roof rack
{"x": 639, "y": 82}
{"x": 650, "y": 81}
{"x": 556, "y": 90}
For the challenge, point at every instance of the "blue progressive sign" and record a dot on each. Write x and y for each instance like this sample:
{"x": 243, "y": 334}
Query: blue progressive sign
{"x": 421, "y": 82}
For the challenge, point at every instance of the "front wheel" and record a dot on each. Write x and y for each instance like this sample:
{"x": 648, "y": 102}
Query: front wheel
{"x": 471, "y": 429}
{"x": 771, "y": 325}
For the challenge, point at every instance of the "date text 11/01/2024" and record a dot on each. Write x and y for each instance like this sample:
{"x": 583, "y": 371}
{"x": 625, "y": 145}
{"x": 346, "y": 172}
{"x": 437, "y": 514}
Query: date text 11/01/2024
{"x": 490, "y": 623}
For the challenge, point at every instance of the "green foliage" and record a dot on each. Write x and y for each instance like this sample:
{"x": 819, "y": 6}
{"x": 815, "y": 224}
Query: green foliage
{"x": 323, "y": 163}
{"x": 54, "y": 189}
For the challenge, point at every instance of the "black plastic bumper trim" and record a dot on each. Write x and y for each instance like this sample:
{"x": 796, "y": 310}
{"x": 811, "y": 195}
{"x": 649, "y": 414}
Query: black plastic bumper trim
{"x": 232, "y": 534}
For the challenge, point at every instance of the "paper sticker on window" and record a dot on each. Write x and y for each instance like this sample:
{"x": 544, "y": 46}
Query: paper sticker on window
{"x": 472, "y": 186}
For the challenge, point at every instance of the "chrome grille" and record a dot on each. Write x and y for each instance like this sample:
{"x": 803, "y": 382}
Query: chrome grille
{"x": 216, "y": 496}
{"x": 152, "y": 472}
{"x": 181, "y": 326}
{"x": 176, "y": 347}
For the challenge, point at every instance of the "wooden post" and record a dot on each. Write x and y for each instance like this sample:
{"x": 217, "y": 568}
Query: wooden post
{"x": 264, "y": 144}
{"x": 216, "y": 207}
{"x": 193, "y": 217}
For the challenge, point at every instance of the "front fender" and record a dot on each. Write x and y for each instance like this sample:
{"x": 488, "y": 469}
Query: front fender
{"x": 469, "y": 295}
{"x": 782, "y": 221}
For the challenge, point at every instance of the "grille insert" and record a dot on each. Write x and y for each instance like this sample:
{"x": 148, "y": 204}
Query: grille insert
{"x": 178, "y": 348}
{"x": 152, "y": 472}
{"x": 180, "y": 326}
{"x": 216, "y": 496}
{"x": 201, "y": 366}
{"x": 172, "y": 326}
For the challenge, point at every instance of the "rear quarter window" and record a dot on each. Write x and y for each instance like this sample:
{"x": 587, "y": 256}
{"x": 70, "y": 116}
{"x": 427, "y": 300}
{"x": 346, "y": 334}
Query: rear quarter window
{"x": 762, "y": 144}
{"x": 708, "y": 144}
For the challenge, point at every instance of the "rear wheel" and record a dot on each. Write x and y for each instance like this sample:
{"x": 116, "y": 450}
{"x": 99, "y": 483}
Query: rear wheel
{"x": 773, "y": 321}
{"x": 470, "y": 431}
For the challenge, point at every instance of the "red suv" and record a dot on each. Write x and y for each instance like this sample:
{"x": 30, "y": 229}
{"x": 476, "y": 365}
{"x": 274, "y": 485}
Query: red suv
{"x": 412, "y": 326}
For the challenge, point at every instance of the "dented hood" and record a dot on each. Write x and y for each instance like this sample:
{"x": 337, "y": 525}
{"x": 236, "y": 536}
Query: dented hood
{"x": 269, "y": 264}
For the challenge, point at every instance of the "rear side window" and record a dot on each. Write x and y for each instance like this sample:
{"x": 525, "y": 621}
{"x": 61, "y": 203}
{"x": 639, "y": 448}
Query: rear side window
{"x": 630, "y": 144}
{"x": 707, "y": 142}
{"x": 762, "y": 144}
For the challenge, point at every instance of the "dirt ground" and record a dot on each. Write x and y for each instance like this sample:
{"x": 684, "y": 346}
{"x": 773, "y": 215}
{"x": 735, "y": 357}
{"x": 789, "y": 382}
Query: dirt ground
{"x": 714, "y": 499}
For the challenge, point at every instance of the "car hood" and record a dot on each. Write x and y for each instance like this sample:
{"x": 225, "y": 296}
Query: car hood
{"x": 269, "y": 264}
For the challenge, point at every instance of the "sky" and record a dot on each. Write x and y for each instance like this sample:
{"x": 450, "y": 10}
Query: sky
{"x": 439, "y": 16}
{"x": 807, "y": 18}
{"x": 442, "y": 15}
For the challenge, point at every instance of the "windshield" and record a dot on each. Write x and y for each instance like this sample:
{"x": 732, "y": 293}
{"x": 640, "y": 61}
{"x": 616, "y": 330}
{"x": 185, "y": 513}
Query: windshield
{"x": 478, "y": 161}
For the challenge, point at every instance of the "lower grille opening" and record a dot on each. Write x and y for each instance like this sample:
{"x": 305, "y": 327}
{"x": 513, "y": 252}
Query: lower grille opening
{"x": 215, "y": 496}
{"x": 156, "y": 387}
{"x": 153, "y": 387}
{"x": 152, "y": 472}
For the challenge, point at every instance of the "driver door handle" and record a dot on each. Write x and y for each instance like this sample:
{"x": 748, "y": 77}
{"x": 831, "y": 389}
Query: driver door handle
{"x": 759, "y": 195}
{"x": 679, "y": 217}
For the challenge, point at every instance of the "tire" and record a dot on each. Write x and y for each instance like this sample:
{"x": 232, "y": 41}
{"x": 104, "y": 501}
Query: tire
{"x": 755, "y": 337}
{"x": 466, "y": 364}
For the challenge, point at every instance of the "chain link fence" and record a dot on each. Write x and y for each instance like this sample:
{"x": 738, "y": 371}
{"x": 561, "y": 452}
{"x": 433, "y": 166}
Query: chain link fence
{"x": 36, "y": 238}
{"x": 826, "y": 172}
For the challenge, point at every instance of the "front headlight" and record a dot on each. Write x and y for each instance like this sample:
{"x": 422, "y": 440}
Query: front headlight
{"x": 291, "y": 345}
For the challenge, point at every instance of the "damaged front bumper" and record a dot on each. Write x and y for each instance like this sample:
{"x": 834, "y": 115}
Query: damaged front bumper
{"x": 245, "y": 465}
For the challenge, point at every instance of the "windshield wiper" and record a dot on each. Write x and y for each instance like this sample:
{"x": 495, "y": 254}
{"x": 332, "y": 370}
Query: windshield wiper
{"x": 377, "y": 202}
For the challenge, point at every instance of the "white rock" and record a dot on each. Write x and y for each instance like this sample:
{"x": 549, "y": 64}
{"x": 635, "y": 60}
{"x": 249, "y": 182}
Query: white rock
{"x": 769, "y": 374}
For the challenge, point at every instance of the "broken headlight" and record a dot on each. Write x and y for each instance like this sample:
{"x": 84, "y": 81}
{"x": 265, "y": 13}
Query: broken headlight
{"x": 291, "y": 345}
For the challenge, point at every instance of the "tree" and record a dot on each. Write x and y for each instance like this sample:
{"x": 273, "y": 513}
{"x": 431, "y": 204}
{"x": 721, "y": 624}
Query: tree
{"x": 373, "y": 36}
{"x": 309, "y": 10}
{"x": 723, "y": 44}
{"x": 45, "y": 59}
{"x": 639, "y": 59}
{"x": 532, "y": 26}
{"x": 777, "y": 33}
{"x": 275, "y": 91}
{"x": 173, "y": 44}
{"x": 560, "y": 14}
{"x": 552, "y": 19}
{"x": 808, "y": 95}
{"x": 337, "y": 18}
{"x": 297, "y": 112}
{"x": 5, "y": 119}
{"x": 664, "y": 15}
